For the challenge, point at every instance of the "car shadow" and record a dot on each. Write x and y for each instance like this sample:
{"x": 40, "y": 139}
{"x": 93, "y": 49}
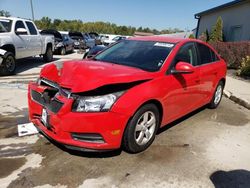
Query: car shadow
{"x": 29, "y": 63}
{"x": 231, "y": 179}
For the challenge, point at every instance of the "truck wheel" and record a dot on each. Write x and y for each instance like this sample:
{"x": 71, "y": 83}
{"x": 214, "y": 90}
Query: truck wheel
{"x": 48, "y": 56}
{"x": 63, "y": 51}
{"x": 8, "y": 65}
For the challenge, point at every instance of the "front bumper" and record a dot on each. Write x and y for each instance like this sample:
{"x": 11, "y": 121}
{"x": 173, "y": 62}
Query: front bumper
{"x": 2, "y": 54}
{"x": 62, "y": 123}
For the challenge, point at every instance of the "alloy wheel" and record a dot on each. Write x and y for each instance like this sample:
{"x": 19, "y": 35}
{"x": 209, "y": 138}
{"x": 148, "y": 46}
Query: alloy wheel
{"x": 145, "y": 128}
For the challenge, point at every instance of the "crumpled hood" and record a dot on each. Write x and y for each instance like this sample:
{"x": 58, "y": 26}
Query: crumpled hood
{"x": 80, "y": 76}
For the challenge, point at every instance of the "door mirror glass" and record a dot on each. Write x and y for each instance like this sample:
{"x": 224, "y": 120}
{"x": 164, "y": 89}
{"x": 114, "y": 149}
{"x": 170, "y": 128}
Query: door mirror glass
{"x": 21, "y": 31}
{"x": 183, "y": 68}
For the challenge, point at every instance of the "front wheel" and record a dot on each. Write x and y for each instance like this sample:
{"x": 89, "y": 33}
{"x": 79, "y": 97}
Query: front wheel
{"x": 8, "y": 65}
{"x": 217, "y": 96}
{"x": 63, "y": 51}
{"x": 48, "y": 56}
{"x": 141, "y": 129}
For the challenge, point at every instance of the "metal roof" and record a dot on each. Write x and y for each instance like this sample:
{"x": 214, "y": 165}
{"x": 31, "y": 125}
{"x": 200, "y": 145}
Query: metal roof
{"x": 232, "y": 3}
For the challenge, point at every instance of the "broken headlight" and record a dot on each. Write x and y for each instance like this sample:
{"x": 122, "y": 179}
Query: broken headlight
{"x": 96, "y": 103}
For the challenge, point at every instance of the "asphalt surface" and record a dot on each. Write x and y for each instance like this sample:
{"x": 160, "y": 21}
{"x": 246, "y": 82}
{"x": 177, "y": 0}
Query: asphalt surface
{"x": 207, "y": 148}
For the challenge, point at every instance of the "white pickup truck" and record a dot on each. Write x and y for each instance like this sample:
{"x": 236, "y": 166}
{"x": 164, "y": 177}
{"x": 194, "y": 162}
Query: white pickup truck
{"x": 19, "y": 38}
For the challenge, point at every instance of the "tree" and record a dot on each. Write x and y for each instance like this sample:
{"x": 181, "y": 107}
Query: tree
{"x": 217, "y": 31}
{"x": 4, "y": 13}
{"x": 99, "y": 27}
{"x": 191, "y": 36}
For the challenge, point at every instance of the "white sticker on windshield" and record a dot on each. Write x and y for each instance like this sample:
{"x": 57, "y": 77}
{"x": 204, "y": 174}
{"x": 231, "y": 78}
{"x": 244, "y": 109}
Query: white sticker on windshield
{"x": 164, "y": 44}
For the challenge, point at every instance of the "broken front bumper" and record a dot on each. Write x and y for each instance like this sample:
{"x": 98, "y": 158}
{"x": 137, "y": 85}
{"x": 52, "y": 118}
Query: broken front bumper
{"x": 91, "y": 131}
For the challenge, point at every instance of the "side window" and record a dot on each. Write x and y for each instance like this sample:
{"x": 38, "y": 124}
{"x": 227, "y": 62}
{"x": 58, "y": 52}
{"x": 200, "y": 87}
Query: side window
{"x": 214, "y": 56}
{"x": 187, "y": 53}
{"x": 32, "y": 28}
{"x": 19, "y": 24}
{"x": 206, "y": 54}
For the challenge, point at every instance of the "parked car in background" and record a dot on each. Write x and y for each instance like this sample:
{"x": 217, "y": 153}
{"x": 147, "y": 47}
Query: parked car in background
{"x": 19, "y": 38}
{"x": 88, "y": 40}
{"x": 79, "y": 42}
{"x": 97, "y": 38}
{"x": 93, "y": 51}
{"x": 63, "y": 43}
{"x": 103, "y": 38}
{"x": 113, "y": 40}
{"x": 123, "y": 95}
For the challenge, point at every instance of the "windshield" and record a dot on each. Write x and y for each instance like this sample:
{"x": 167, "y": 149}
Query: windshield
{"x": 5, "y": 25}
{"x": 146, "y": 55}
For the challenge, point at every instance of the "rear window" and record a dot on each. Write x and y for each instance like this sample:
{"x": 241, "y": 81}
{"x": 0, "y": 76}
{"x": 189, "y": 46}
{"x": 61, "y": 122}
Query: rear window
{"x": 206, "y": 54}
{"x": 32, "y": 28}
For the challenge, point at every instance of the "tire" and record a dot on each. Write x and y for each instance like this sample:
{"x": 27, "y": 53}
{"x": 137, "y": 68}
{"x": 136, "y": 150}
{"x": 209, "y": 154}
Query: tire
{"x": 8, "y": 65}
{"x": 139, "y": 133}
{"x": 48, "y": 56}
{"x": 63, "y": 51}
{"x": 214, "y": 103}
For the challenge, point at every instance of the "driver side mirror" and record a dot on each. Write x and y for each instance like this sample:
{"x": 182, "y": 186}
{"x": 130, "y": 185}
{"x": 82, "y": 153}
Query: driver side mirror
{"x": 183, "y": 68}
{"x": 21, "y": 31}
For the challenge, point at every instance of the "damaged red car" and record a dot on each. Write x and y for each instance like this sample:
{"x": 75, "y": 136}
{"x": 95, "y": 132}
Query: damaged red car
{"x": 123, "y": 95}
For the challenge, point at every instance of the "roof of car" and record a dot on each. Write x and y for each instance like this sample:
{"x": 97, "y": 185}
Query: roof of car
{"x": 14, "y": 18}
{"x": 160, "y": 39}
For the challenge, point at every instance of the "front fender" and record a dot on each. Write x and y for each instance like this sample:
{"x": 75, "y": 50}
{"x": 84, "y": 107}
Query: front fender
{"x": 2, "y": 54}
{"x": 133, "y": 98}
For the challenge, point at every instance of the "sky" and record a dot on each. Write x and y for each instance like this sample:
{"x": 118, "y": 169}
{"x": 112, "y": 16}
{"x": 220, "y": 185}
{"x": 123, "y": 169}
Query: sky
{"x": 155, "y": 14}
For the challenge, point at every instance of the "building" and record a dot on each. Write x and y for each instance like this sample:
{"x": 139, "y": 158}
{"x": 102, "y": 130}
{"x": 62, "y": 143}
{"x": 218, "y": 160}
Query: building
{"x": 235, "y": 15}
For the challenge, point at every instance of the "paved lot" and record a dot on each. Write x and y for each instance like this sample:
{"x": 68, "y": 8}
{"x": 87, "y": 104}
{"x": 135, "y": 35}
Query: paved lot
{"x": 207, "y": 148}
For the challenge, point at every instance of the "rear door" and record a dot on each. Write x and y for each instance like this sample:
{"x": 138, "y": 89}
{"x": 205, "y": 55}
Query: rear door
{"x": 183, "y": 89}
{"x": 35, "y": 43}
{"x": 209, "y": 67}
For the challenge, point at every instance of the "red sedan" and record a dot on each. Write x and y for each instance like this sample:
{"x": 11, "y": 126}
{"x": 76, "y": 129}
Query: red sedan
{"x": 123, "y": 95}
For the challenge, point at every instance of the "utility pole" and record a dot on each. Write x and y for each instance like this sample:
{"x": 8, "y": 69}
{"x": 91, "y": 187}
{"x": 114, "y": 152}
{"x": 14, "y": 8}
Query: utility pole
{"x": 31, "y": 4}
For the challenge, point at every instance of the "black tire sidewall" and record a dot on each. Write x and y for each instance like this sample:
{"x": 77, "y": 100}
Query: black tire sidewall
{"x": 212, "y": 105}
{"x": 3, "y": 69}
{"x": 129, "y": 142}
{"x": 48, "y": 56}
{"x": 63, "y": 51}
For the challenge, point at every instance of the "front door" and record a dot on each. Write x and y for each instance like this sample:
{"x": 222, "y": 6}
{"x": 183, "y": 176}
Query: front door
{"x": 183, "y": 89}
{"x": 21, "y": 41}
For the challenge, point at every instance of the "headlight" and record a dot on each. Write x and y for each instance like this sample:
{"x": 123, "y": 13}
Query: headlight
{"x": 96, "y": 103}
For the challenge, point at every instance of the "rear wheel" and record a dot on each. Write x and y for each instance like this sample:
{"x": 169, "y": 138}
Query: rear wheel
{"x": 48, "y": 56}
{"x": 214, "y": 103}
{"x": 141, "y": 129}
{"x": 8, "y": 65}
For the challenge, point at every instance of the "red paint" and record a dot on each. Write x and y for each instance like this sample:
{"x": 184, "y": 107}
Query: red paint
{"x": 178, "y": 95}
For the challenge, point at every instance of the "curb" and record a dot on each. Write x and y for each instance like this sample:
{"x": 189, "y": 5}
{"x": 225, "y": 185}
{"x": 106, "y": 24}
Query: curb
{"x": 237, "y": 99}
